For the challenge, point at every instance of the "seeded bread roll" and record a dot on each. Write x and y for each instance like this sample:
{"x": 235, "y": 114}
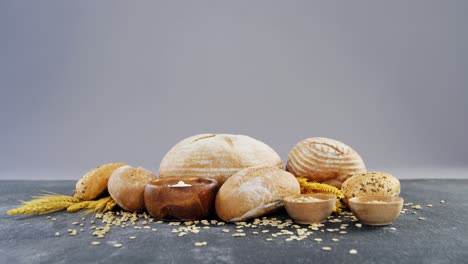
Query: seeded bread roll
{"x": 370, "y": 184}
{"x": 324, "y": 160}
{"x": 253, "y": 192}
{"x": 94, "y": 183}
{"x": 217, "y": 156}
{"x": 126, "y": 187}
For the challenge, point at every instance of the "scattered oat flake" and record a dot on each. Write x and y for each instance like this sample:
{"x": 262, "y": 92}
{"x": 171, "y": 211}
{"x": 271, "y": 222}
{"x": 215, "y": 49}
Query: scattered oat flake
{"x": 326, "y": 248}
{"x": 335, "y": 239}
{"x": 132, "y": 237}
{"x": 318, "y": 239}
{"x": 429, "y": 205}
{"x": 200, "y": 244}
{"x": 95, "y": 243}
{"x": 442, "y": 201}
{"x": 422, "y": 218}
{"x": 353, "y": 252}
{"x": 358, "y": 225}
{"x": 57, "y": 234}
{"x": 117, "y": 245}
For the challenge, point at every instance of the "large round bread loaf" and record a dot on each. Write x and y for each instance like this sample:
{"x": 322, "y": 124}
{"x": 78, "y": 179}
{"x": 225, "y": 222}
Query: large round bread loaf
{"x": 324, "y": 160}
{"x": 370, "y": 184}
{"x": 217, "y": 155}
{"x": 253, "y": 192}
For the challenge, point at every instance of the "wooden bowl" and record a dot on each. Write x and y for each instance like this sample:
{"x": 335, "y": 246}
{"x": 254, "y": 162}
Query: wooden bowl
{"x": 310, "y": 212}
{"x": 165, "y": 201}
{"x": 376, "y": 210}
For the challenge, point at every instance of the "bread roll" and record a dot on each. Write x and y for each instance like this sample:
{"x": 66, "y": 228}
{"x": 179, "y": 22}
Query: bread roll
{"x": 324, "y": 160}
{"x": 126, "y": 187}
{"x": 94, "y": 183}
{"x": 370, "y": 184}
{"x": 253, "y": 192}
{"x": 217, "y": 155}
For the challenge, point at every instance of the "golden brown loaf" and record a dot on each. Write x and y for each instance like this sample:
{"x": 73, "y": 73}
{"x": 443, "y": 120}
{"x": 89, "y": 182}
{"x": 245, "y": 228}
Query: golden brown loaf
{"x": 370, "y": 184}
{"x": 324, "y": 160}
{"x": 94, "y": 183}
{"x": 126, "y": 187}
{"x": 217, "y": 155}
{"x": 253, "y": 192}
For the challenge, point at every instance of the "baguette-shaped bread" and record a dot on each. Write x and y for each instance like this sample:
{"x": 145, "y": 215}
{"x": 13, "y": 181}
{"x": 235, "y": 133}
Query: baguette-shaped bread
{"x": 324, "y": 160}
{"x": 94, "y": 183}
{"x": 253, "y": 192}
{"x": 370, "y": 184}
{"x": 216, "y": 155}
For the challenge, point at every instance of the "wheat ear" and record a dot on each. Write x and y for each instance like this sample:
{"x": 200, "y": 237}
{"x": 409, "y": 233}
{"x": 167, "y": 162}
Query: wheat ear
{"x": 315, "y": 187}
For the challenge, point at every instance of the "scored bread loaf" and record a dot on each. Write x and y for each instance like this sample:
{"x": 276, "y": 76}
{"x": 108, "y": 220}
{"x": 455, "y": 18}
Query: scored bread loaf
{"x": 253, "y": 192}
{"x": 370, "y": 184}
{"x": 217, "y": 155}
{"x": 94, "y": 183}
{"x": 324, "y": 160}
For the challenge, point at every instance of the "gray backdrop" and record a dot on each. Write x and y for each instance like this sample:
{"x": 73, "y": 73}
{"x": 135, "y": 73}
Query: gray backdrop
{"x": 90, "y": 82}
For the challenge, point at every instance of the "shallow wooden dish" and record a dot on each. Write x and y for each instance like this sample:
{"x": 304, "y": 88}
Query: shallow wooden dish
{"x": 310, "y": 212}
{"x": 167, "y": 202}
{"x": 382, "y": 212}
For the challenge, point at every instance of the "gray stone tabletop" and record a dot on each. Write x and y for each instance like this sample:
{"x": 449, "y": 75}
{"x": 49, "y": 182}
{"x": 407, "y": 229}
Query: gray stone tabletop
{"x": 436, "y": 234}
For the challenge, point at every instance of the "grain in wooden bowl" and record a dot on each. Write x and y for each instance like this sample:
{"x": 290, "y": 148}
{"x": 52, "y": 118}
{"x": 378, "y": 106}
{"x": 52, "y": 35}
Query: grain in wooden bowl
{"x": 309, "y": 208}
{"x": 376, "y": 210}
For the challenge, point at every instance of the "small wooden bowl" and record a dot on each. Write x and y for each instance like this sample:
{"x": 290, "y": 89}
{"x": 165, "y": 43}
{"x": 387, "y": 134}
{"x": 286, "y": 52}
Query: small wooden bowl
{"x": 310, "y": 212}
{"x": 376, "y": 210}
{"x": 167, "y": 202}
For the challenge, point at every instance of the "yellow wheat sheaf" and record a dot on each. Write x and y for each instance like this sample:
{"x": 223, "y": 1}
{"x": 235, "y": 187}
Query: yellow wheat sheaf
{"x": 51, "y": 202}
{"x": 315, "y": 187}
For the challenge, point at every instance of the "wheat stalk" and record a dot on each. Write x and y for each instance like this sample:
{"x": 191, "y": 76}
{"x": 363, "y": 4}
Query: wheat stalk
{"x": 78, "y": 206}
{"x": 39, "y": 208}
{"x": 51, "y": 202}
{"x": 315, "y": 187}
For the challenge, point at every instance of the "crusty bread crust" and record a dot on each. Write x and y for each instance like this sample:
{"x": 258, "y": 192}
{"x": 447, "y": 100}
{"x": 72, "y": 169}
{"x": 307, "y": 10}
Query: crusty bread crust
{"x": 253, "y": 192}
{"x": 217, "y": 155}
{"x": 370, "y": 184}
{"x": 94, "y": 183}
{"x": 324, "y": 160}
{"x": 126, "y": 187}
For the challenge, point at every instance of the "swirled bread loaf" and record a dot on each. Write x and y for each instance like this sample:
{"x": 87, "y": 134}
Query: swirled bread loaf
{"x": 324, "y": 160}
